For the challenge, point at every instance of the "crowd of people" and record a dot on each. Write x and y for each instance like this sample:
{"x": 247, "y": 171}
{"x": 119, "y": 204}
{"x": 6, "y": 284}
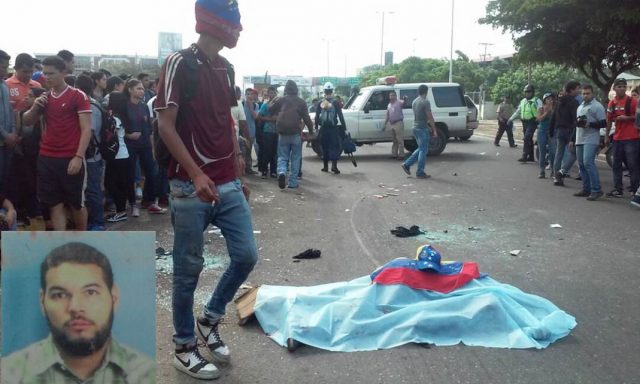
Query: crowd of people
{"x": 192, "y": 137}
{"x": 569, "y": 128}
{"x": 50, "y": 164}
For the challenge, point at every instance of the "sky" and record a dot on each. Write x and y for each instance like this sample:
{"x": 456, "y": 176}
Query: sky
{"x": 283, "y": 37}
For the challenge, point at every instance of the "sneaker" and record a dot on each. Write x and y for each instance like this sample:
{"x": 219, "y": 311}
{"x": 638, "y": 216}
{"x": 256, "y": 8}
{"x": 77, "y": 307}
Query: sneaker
{"x": 406, "y": 169}
{"x": 190, "y": 361}
{"x": 579, "y": 177}
{"x": 335, "y": 171}
{"x": 558, "y": 182}
{"x": 582, "y": 194}
{"x": 135, "y": 212}
{"x": 635, "y": 201}
{"x": 281, "y": 180}
{"x": 263, "y": 175}
{"x": 548, "y": 167}
{"x": 325, "y": 169}
{"x": 156, "y": 209}
{"x": 522, "y": 159}
{"x": 541, "y": 175}
{"x": 595, "y": 196}
{"x": 274, "y": 175}
{"x": 615, "y": 193}
{"x": 122, "y": 216}
{"x": 513, "y": 145}
{"x": 209, "y": 334}
{"x": 423, "y": 176}
{"x": 496, "y": 144}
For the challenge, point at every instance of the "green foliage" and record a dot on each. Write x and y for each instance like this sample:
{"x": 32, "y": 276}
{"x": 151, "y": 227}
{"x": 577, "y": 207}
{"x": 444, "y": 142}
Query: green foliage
{"x": 599, "y": 37}
{"x": 545, "y": 78}
{"x": 416, "y": 70}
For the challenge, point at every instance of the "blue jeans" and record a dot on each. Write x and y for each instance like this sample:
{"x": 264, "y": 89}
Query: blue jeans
{"x": 562, "y": 139}
{"x": 586, "y": 154}
{"x": 94, "y": 195}
{"x": 14, "y": 226}
{"x": 627, "y": 151}
{"x": 290, "y": 149}
{"x": 190, "y": 217}
{"x": 420, "y": 154}
{"x": 568, "y": 160}
{"x": 149, "y": 168}
{"x": 546, "y": 146}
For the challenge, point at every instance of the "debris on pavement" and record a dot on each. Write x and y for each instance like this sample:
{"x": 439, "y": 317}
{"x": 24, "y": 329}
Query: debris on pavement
{"x": 455, "y": 173}
{"x": 308, "y": 254}
{"x": 515, "y": 252}
{"x": 404, "y": 232}
{"x": 556, "y": 226}
{"x": 472, "y": 228}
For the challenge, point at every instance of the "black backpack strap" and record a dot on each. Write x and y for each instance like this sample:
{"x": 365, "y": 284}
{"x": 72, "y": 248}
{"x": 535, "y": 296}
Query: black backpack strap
{"x": 191, "y": 78}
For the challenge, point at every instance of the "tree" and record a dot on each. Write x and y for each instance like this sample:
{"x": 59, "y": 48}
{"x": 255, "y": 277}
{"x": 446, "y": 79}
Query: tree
{"x": 544, "y": 77}
{"x": 598, "y": 37}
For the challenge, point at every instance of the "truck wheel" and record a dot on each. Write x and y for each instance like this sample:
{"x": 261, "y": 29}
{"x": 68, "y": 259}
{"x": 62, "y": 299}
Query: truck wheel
{"x": 410, "y": 145}
{"x": 437, "y": 145}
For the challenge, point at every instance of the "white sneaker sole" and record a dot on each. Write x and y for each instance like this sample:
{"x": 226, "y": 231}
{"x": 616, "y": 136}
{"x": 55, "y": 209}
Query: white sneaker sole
{"x": 200, "y": 375}
{"x": 210, "y": 355}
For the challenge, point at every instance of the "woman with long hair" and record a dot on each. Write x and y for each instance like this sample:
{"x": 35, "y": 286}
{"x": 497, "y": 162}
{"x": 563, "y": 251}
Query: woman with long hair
{"x": 117, "y": 178}
{"x": 546, "y": 145}
{"x": 138, "y": 139}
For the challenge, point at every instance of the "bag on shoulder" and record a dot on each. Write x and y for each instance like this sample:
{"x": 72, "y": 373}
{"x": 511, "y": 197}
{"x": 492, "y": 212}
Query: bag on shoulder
{"x": 188, "y": 91}
{"x": 109, "y": 144}
{"x": 94, "y": 144}
{"x": 327, "y": 113}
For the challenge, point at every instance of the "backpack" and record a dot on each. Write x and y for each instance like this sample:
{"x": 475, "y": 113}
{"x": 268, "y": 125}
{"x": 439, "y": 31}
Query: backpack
{"x": 162, "y": 154}
{"x": 94, "y": 144}
{"x": 109, "y": 144}
{"x": 327, "y": 113}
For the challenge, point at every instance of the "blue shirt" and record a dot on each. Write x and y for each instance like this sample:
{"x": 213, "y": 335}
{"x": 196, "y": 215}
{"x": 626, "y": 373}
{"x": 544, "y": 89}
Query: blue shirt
{"x": 251, "y": 122}
{"x": 269, "y": 126}
{"x": 595, "y": 113}
{"x": 7, "y": 118}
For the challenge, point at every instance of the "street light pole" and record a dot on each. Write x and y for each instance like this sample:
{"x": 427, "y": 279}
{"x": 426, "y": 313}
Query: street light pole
{"x": 451, "y": 46}
{"x": 382, "y": 37}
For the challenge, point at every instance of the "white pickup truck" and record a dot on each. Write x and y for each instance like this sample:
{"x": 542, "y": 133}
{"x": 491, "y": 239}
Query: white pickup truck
{"x": 365, "y": 112}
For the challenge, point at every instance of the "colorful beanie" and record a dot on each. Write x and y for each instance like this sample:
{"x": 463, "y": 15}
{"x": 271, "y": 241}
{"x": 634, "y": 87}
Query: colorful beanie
{"x": 220, "y": 19}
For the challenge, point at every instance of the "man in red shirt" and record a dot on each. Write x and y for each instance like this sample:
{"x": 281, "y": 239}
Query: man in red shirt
{"x": 204, "y": 180}
{"x": 20, "y": 83}
{"x": 626, "y": 138}
{"x": 61, "y": 163}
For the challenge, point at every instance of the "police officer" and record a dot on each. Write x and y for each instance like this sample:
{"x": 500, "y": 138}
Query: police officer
{"x": 527, "y": 112}
{"x": 327, "y": 115}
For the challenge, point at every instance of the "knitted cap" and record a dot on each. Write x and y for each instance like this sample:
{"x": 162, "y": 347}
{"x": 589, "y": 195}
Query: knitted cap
{"x": 220, "y": 19}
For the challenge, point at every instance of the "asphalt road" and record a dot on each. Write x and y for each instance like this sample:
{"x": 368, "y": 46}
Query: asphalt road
{"x": 589, "y": 267}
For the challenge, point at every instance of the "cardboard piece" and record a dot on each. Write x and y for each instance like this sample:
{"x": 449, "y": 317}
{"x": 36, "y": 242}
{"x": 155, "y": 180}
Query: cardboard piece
{"x": 245, "y": 304}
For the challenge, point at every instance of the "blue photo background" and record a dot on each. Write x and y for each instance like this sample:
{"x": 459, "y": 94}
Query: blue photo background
{"x": 132, "y": 257}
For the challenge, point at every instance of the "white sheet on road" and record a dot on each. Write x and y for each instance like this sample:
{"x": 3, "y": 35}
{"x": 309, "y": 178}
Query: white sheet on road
{"x": 360, "y": 316}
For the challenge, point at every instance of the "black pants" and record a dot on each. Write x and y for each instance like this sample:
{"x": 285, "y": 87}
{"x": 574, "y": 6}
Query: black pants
{"x": 119, "y": 183}
{"x": 268, "y": 155}
{"x": 529, "y": 129}
{"x": 22, "y": 188}
{"x": 503, "y": 126}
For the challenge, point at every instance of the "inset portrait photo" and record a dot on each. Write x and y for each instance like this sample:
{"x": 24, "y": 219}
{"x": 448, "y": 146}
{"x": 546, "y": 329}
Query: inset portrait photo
{"x": 78, "y": 307}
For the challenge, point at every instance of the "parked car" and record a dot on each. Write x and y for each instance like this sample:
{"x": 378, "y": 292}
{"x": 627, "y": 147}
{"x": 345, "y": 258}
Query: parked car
{"x": 365, "y": 112}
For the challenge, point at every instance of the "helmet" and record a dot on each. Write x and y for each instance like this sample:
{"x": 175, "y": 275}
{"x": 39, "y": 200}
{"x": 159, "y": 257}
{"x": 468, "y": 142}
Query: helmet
{"x": 528, "y": 88}
{"x": 328, "y": 86}
{"x": 548, "y": 94}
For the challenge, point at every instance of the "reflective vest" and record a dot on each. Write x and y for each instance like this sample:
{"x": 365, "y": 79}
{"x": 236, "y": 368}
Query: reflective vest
{"x": 528, "y": 108}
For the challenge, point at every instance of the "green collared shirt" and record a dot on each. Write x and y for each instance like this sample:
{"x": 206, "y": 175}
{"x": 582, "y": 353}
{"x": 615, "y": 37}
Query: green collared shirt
{"x": 40, "y": 363}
